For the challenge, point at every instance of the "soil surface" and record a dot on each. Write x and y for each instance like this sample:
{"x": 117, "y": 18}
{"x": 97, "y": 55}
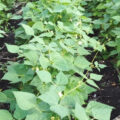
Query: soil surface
{"x": 109, "y": 92}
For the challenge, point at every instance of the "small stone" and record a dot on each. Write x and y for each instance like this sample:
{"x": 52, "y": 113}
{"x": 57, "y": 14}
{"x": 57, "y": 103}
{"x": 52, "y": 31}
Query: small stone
{"x": 117, "y": 118}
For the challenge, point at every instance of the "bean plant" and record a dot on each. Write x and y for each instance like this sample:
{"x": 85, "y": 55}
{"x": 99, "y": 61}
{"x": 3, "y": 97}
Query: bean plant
{"x": 106, "y": 23}
{"x": 50, "y": 80}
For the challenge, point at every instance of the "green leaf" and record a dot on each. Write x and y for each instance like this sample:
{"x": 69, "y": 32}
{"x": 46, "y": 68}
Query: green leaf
{"x": 82, "y": 62}
{"x": 97, "y": 110}
{"x": 51, "y": 97}
{"x": 82, "y": 51}
{"x": 44, "y": 76}
{"x": 47, "y": 34}
{"x": 65, "y": 1}
{"x": 61, "y": 79}
{"x": 18, "y": 72}
{"x": 5, "y": 115}
{"x": 59, "y": 62}
{"x": 1, "y": 36}
{"x": 25, "y": 100}
{"x": 80, "y": 112}
{"x": 37, "y": 39}
{"x": 2, "y": 6}
{"x": 2, "y": 32}
{"x": 3, "y": 97}
{"x": 35, "y": 81}
{"x": 91, "y": 82}
{"x": 32, "y": 56}
{"x": 62, "y": 111}
{"x": 117, "y": 18}
{"x": 111, "y": 44}
{"x": 11, "y": 75}
{"x": 38, "y": 26}
{"x": 12, "y": 48}
{"x": 44, "y": 62}
{"x": 38, "y": 116}
{"x": 28, "y": 30}
{"x": 95, "y": 77}
{"x": 58, "y": 8}
{"x": 19, "y": 114}
{"x": 16, "y": 17}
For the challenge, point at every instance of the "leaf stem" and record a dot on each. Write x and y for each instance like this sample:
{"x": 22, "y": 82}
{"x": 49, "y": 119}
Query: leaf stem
{"x": 81, "y": 82}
